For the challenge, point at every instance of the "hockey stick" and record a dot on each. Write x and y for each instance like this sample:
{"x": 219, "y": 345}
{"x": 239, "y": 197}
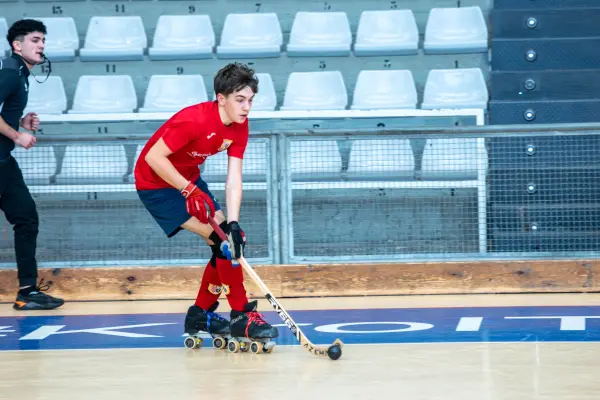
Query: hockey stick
{"x": 334, "y": 351}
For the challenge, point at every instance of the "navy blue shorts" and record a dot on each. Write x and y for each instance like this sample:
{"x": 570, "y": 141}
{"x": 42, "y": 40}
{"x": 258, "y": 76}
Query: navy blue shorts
{"x": 167, "y": 206}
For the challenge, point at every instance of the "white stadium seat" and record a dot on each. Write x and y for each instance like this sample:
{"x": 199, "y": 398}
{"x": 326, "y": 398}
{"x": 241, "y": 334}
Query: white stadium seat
{"x": 320, "y": 33}
{"x": 266, "y": 98}
{"x": 88, "y": 164}
{"x": 455, "y": 88}
{"x": 182, "y": 37}
{"x": 62, "y": 40}
{"x": 104, "y": 94}
{"x": 390, "y": 32}
{"x": 114, "y": 39}
{"x": 256, "y": 35}
{"x": 314, "y": 157}
{"x": 385, "y": 89}
{"x": 170, "y": 93}
{"x": 48, "y": 97}
{"x": 381, "y": 155}
{"x": 456, "y": 30}
{"x": 37, "y": 164}
{"x": 315, "y": 91}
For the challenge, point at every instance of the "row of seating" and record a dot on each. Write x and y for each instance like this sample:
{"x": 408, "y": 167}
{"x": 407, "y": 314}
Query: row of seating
{"x": 258, "y": 35}
{"x": 85, "y": 164}
{"x": 322, "y": 90}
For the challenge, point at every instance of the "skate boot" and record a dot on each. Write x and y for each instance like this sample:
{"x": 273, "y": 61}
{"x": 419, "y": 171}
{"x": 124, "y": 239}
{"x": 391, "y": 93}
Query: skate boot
{"x": 249, "y": 331}
{"x": 198, "y": 321}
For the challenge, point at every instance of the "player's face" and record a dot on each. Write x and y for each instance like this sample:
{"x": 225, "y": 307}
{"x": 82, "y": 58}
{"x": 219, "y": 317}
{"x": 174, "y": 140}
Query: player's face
{"x": 31, "y": 48}
{"x": 238, "y": 104}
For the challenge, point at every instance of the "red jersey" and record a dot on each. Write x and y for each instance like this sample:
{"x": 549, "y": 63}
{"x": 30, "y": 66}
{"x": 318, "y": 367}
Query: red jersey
{"x": 192, "y": 134}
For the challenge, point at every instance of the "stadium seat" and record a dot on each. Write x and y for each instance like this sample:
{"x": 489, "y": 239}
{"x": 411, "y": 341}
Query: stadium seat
{"x": 314, "y": 157}
{"x": 62, "y": 40}
{"x": 266, "y": 98}
{"x": 315, "y": 91}
{"x": 182, "y": 37}
{"x": 320, "y": 34}
{"x": 456, "y": 30}
{"x": 455, "y": 88}
{"x": 255, "y": 161}
{"x": 114, "y": 39}
{"x": 385, "y": 89}
{"x": 48, "y": 97}
{"x": 383, "y": 33}
{"x": 381, "y": 155}
{"x": 168, "y": 93}
{"x": 37, "y": 164}
{"x": 88, "y": 164}
{"x": 256, "y": 35}
{"x": 104, "y": 94}
{"x": 4, "y": 47}
{"x": 451, "y": 159}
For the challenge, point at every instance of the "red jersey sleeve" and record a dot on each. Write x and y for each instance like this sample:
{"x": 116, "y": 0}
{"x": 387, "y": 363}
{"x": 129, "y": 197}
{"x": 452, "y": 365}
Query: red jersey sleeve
{"x": 178, "y": 134}
{"x": 238, "y": 147}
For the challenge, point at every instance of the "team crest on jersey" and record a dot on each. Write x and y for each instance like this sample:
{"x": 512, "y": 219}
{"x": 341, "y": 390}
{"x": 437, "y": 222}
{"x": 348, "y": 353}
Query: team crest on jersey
{"x": 225, "y": 145}
{"x": 215, "y": 289}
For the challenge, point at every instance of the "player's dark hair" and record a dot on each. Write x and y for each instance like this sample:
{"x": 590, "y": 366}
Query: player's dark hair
{"x": 235, "y": 77}
{"x": 22, "y": 28}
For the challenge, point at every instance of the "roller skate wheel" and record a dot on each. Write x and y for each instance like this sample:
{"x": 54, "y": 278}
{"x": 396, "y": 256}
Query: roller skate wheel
{"x": 233, "y": 346}
{"x": 192, "y": 343}
{"x": 269, "y": 347}
{"x": 219, "y": 343}
{"x": 256, "y": 347}
{"x": 244, "y": 347}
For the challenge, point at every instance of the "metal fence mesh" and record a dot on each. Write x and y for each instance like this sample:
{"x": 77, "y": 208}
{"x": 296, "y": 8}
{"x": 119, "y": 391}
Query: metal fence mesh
{"x": 392, "y": 196}
{"x": 90, "y": 213}
{"x": 329, "y": 198}
{"x": 543, "y": 193}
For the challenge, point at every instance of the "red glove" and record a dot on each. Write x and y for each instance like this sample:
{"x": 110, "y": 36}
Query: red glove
{"x": 195, "y": 202}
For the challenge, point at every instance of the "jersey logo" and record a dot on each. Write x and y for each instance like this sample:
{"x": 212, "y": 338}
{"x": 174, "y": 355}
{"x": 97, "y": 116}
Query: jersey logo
{"x": 211, "y": 135}
{"x": 225, "y": 145}
{"x": 195, "y": 154}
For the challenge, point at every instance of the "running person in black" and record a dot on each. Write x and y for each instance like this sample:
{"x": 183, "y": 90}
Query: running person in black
{"x": 26, "y": 38}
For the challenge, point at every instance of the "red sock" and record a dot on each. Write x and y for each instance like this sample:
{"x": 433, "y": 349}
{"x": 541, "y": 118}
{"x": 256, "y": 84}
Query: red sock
{"x": 210, "y": 288}
{"x": 233, "y": 284}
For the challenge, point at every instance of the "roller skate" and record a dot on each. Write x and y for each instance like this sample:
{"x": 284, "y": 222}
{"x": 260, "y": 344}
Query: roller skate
{"x": 198, "y": 321}
{"x": 250, "y": 332}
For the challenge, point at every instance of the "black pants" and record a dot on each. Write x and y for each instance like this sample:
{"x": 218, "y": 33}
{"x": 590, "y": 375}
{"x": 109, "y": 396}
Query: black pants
{"x": 20, "y": 211}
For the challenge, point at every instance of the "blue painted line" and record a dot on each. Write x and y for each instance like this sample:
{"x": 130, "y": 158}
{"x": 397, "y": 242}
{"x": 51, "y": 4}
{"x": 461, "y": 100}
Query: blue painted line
{"x": 353, "y": 326}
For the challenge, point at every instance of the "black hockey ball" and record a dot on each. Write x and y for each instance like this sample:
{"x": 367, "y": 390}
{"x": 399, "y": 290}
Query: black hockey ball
{"x": 334, "y": 352}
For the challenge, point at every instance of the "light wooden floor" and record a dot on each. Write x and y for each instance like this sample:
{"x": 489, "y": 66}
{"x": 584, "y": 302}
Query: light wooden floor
{"x": 464, "y": 371}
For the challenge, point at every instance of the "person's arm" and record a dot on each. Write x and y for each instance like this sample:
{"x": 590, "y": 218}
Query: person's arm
{"x": 9, "y": 81}
{"x": 8, "y": 131}
{"x": 157, "y": 159}
{"x": 233, "y": 188}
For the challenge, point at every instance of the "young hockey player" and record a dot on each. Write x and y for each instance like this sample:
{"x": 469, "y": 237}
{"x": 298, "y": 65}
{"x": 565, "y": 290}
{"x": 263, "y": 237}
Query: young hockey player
{"x": 167, "y": 178}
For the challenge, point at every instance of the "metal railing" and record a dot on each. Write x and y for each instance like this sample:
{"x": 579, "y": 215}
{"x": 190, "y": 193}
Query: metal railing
{"x": 327, "y": 195}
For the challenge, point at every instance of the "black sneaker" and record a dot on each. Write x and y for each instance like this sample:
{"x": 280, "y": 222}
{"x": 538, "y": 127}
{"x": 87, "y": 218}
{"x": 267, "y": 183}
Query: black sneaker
{"x": 37, "y": 300}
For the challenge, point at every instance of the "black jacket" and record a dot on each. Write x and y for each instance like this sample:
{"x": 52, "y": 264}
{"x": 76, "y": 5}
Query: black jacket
{"x": 14, "y": 89}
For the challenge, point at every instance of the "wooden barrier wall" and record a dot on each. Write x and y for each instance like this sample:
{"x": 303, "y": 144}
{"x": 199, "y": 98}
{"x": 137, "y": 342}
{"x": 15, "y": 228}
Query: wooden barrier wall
{"x": 136, "y": 283}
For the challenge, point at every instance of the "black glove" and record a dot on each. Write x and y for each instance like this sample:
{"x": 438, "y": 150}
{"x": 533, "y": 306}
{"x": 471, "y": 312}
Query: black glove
{"x": 237, "y": 239}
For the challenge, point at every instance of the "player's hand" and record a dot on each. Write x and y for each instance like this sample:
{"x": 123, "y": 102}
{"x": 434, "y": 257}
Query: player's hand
{"x": 25, "y": 140}
{"x": 196, "y": 201}
{"x": 237, "y": 239}
{"x": 31, "y": 122}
